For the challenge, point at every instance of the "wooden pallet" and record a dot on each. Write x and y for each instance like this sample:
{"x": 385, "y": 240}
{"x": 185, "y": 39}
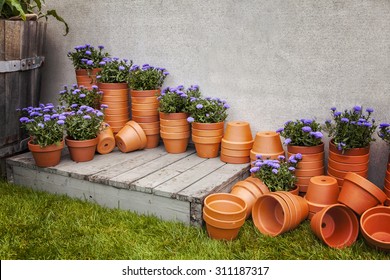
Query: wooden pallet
{"x": 151, "y": 181}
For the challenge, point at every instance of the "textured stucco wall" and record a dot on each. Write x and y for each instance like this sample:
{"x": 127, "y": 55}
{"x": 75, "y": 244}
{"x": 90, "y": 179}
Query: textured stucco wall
{"x": 271, "y": 60}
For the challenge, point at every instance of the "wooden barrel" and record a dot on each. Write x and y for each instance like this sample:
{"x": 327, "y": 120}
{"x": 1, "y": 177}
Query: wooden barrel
{"x": 21, "y": 55}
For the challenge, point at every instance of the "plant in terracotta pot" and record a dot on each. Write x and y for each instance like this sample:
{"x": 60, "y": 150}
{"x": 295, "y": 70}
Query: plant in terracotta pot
{"x": 82, "y": 128}
{"x": 351, "y": 133}
{"x": 277, "y": 174}
{"x": 304, "y": 136}
{"x": 45, "y": 126}
{"x": 147, "y": 77}
{"x": 80, "y": 95}
{"x": 207, "y": 116}
{"x": 173, "y": 111}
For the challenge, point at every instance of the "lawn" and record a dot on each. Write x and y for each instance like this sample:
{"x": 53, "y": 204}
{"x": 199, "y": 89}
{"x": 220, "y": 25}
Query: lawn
{"x": 38, "y": 225}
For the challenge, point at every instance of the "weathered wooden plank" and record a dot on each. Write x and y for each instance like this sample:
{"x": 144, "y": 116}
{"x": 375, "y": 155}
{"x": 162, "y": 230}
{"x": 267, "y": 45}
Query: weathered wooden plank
{"x": 143, "y": 170}
{"x": 157, "y": 178}
{"x": 141, "y": 203}
{"x": 32, "y": 92}
{"x": 2, "y": 86}
{"x": 171, "y": 187}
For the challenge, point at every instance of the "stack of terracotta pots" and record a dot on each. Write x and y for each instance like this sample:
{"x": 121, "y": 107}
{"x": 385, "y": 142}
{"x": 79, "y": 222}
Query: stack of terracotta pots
{"x": 249, "y": 190}
{"x": 144, "y": 111}
{"x": 321, "y": 192}
{"x": 277, "y": 212}
{"x": 268, "y": 144}
{"x": 131, "y": 138}
{"x": 116, "y": 97}
{"x": 354, "y": 160}
{"x": 207, "y": 138}
{"x": 375, "y": 227}
{"x": 86, "y": 77}
{"x": 236, "y": 143}
{"x": 106, "y": 140}
{"x": 175, "y": 131}
{"x": 312, "y": 164}
{"x": 224, "y": 214}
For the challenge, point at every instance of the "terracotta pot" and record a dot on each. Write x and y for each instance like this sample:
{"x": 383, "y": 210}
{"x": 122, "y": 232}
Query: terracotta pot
{"x": 267, "y": 142}
{"x": 144, "y": 100}
{"x": 123, "y": 117}
{"x": 350, "y": 152}
{"x": 178, "y": 122}
{"x": 375, "y": 227}
{"x": 207, "y": 133}
{"x": 150, "y": 131}
{"x": 235, "y": 153}
{"x": 86, "y": 78}
{"x": 387, "y": 177}
{"x": 207, "y": 150}
{"x": 386, "y": 190}
{"x": 119, "y": 111}
{"x": 131, "y": 138}
{"x": 222, "y": 230}
{"x": 295, "y": 190}
{"x": 208, "y": 126}
{"x": 46, "y": 156}
{"x": 253, "y": 155}
{"x": 304, "y": 150}
{"x": 225, "y": 206}
{"x": 349, "y": 159}
{"x": 142, "y": 106}
{"x": 120, "y": 123}
{"x": 322, "y": 190}
{"x": 360, "y": 194}
{"x": 234, "y": 160}
{"x": 173, "y": 129}
{"x": 305, "y": 165}
{"x": 115, "y": 96}
{"x": 274, "y": 215}
{"x": 145, "y": 93}
{"x": 206, "y": 140}
{"x": 340, "y": 181}
{"x": 175, "y": 143}
{"x": 114, "y": 86}
{"x": 81, "y": 150}
{"x": 117, "y": 104}
{"x": 148, "y": 119}
{"x": 150, "y": 125}
{"x": 152, "y": 141}
{"x": 258, "y": 183}
{"x": 106, "y": 140}
{"x": 236, "y": 145}
{"x": 303, "y": 180}
{"x": 174, "y": 116}
{"x": 310, "y": 157}
{"x": 144, "y": 113}
{"x": 336, "y": 225}
{"x": 309, "y": 172}
{"x": 239, "y": 132}
{"x": 347, "y": 166}
{"x": 387, "y": 183}
{"x": 342, "y": 174}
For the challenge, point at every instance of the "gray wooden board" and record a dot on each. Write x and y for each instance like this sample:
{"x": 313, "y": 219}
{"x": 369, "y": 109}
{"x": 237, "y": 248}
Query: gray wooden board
{"x": 141, "y": 203}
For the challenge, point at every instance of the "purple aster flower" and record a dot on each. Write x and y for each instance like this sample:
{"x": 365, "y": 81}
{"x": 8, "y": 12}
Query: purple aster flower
{"x": 357, "y": 108}
{"x": 333, "y": 109}
{"x": 62, "y": 117}
{"x": 306, "y": 129}
{"x": 88, "y": 52}
{"x": 87, "y": 117}
{"x": 336, "y": 114}
{"x": 102, "y": 63}
{"x": 90, "y": 62}
{"x": 98, "y": 77}
{"x": 165, "y": 73}
{"x": 254, "y": 169}
{"x": 259, "y": 156}
{"x": 344, "y": 120}
{"x": 369, "y": 110}
{"x": 60, "y": 122}
{"x": 383, "y": 125}
{"x": 83, "y": 107}
{"x": 281, "y": 157}
{"x": 24, "y": 119}
{"x": 41, "y": 125}
{"x": 99, "y": 114}
{"x": 95, "y": 87}
{"x": 101, "y": 47}
{"x": 291, "y": 168}
{"x": 121, "y": 68}
{"x": 74, "y": 106}
{"x": 199, "y": 106}
{"x": 104, "y": 106}
{"x": 190, "y": 119}
{"x": 82, "y": 95}
{"x": 298, "y": 156}
{"x": 287, "y": 141}
{"x": 226, "y": 106}
{"x": 275, "y": 171}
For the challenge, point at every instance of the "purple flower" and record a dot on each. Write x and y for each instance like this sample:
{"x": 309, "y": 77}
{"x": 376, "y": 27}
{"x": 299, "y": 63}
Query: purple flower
{"x": 259, "y": 156}
{"x": 87, "y": 117}
{"x": 383, "y": 125}
{"x": 104, "y": 106}
{"x": 275, "y": 171}
{"x": 88, "y": 52}
{"x": 344, "y": 120}
{"x": 306, "y": 129}
{"x": 95, "y": 87}
{"x": 101, "y": 47}
{"x": 281, "y": 157}
{"x": 99, "y": 114}
{"x": 226, "y": 106}
{"x": 121, "y": 68}
{"x": 41, "y": 125}
{"x": 254, "y": 169}
{"x": 291, "y": 168}
{"x": 102, "y": 63}
{"x": 74, "y": 106}
{"x": 287, "y": 141}
{"x": 298, "y": 156}
{"x": 199, "y": 106}
{"x": 190, "y": 119}
{"x": 333, "y": 109}
{"x": 90, "y": 62}
{"x": 336, "y": 114}
{"x": 369, "y": 110}
{"x": 82, "y": 95}
{"x": 357, "y": 108}
{"x": 60, "y": 122}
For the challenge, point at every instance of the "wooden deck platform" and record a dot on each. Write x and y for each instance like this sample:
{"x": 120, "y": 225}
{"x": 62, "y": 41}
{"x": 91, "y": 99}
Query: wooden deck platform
{"x": 151, "y": 181}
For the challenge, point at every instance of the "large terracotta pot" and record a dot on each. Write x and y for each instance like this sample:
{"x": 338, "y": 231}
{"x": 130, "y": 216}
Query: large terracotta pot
{"x": 267, "y": 144}
{"x": 177, "y": 140}
{"x": 46, "y": 156}
{"x": 336, "y": 225}
{"x": 106, "y": 140}
{"x": 86, "y": 78}
{"x": 375, "y": 227}
{"x": 360, "y": 194}
{"x": 82, "y": 150}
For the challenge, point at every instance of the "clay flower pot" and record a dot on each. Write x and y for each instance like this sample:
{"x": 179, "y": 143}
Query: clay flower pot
{"x": 144, "y": 99}
{"x": 267, "y": 142}
{"x": 224, "y": 215}
{"x": 144, "y": 106}
{"x": 106, "y": 140}
{"x": 46, "y": 156}
{"x": 145, "y": 93}
{"x": 375, "y": 227}
{"x": 175, "y": 143}
{"x": 207, "y": 147}
{"x": 81, "y": 150}
{"x": 278, "y": 212}
{"x": 360, "y": 194}
{"x": 144, "y": 113}
{"x": 131, "y": 138}
{"x": 152, "y": 132}
{"x": 238, "y": 132}
{"x": 147, "y": 119}
{"x": 86, "y": 78}
{"x": 305, "y": 150}
{"x": 350, "y": 152}
{"x": 336, "y": 225}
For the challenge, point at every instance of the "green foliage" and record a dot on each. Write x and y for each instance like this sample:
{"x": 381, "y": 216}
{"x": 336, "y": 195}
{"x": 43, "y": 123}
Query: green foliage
{"x": 304, "y": 132}
{"x": 38, "y": 225}
{"x": 70, "y": 97}
{"x": 384, "y": 132}
{"x": 207, "y": 110}
{"x": 84, "y": 123}
{"x": 19, "y": 8}
{"x": 44, "y": 124}
{"x": 177, "y": 100}
{"x": 278, "y": 174}
{"x": 147, "y": 77}
{"x": 351, "y": 128}
{"x": 87, "y": 56}
{"x": 114, "y": 70}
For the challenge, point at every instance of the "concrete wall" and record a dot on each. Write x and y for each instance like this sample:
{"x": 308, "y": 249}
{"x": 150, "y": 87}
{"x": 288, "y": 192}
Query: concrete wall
{"x": 271, "y": 60}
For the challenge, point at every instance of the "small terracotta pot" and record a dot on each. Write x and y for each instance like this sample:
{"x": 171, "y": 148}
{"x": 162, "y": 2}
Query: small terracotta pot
{"x": 111, "y": 93}
{"x": 173, "y": 116}
{"x": 336, "y": 225}
{"x": 349, "y": 159}
{"x": 130, "y": 138}
{"x": 174, "y": 129}
{"x": 238, "y": 131}
{"x": 145, "y": 93}
{"x": 322, "y": 190}
{"x": 144, "y": 100}
{"x": 106, "y": 140}
{"x": 151, "y": 131}
{"x": 235, "y": 153}
{"x": 375, "y": 227}
{"x": 86, "y": 78}
{"x": 236, "y": 145}
{"x": 387, "y": 183}
{"x": 207, "y": 133}
{"x": 298, "y": 208}
{"x": 152, "y": 141}
{"x": 222, "y": 230}
{"x": 386, "y": 190}
{"x": 310, "y": 157}
{"x": 175, "y": 143}
{"x": 234, "y": 160}
{"x": 225, "y": 206}
{"x": 304, "y": 150}
{"x": 46, "y": 156}
{"x": 148, "y": 119}
{"x": 120, "y": 123}
{"x": 348, "y": 166}
{"x": 303, "y": 180}
{"x": 207, "y": 147}
{"x": 350, "y": 152}
{"x": 340, "y": 181}
{"x": 360, "y": 194}
{"x": 295, "y": 190}
{"x": 267, "y": 142}
{"x": 387, "y": 177}
{"x": 81, "y": 150}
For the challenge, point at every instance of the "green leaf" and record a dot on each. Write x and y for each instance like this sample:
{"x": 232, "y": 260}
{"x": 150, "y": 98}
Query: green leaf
{"x": 15, "y": 4}
{"x": 54, "y": 14}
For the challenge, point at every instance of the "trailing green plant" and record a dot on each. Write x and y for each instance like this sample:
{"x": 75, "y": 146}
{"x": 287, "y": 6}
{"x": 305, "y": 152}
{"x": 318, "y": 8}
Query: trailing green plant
{"x": 85, "y": 123}
{"x": 13, "y": 9}
{"x": 44, "y": 124}
{"x": 177, "y": 99}
{"x": 351, "y": 128}
{"x": 384, "y": 132}
{"x": 147, "y": 77}
{"x": 303, "y": 132}
{"x": 276, "y": 174}
{"x": 79, "y": 95}
{"x": 207, "y": 110}
{"x": 87, "y": 56}
{"x": 114, "y": 70}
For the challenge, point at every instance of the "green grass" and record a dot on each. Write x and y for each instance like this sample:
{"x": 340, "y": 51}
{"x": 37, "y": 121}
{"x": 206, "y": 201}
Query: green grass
{"x": 38, "y": 225}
